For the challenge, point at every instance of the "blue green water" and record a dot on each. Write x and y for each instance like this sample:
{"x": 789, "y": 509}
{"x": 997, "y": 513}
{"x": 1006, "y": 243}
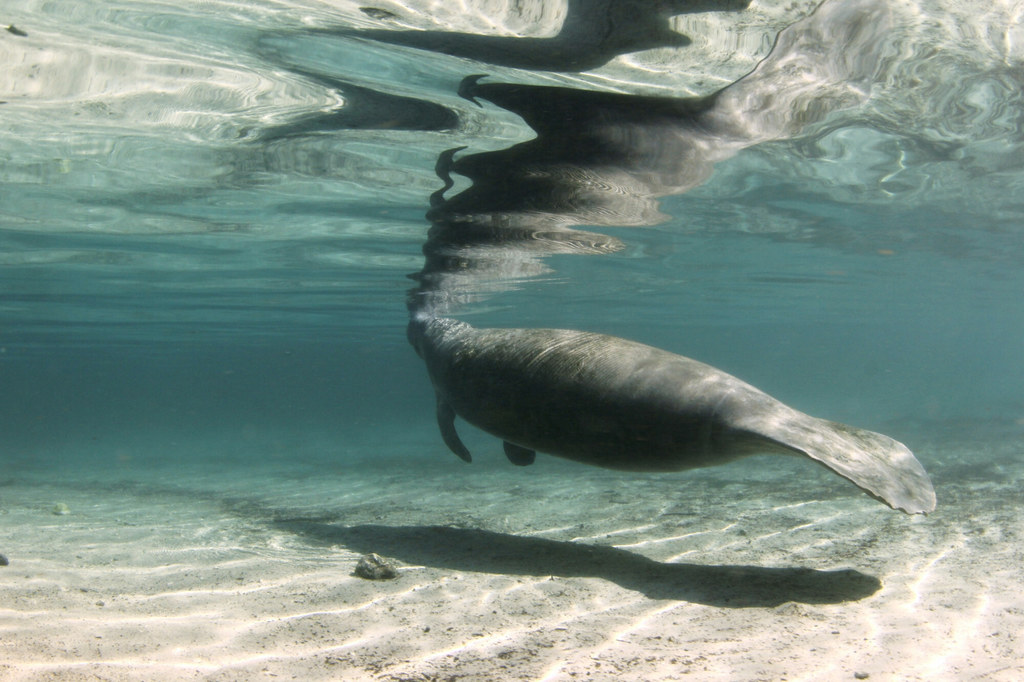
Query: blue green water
{"x": 210, "y": 215}
{"x": 216, "y": 217}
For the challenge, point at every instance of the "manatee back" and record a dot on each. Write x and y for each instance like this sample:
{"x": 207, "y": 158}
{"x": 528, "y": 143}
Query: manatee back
{"x": 590, "y": 397}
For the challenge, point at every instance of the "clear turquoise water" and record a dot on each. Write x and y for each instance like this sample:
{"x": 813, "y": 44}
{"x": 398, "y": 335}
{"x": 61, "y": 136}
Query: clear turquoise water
{"x": 209, "y": 217}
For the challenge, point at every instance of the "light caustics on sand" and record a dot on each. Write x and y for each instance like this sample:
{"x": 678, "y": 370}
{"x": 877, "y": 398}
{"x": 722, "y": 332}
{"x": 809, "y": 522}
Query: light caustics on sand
{"x": 631, "y": 530}
{"x": 213, "y": 635}
{"x": 613, "y": 638}
{"x": 926, "y": 572}
{"x": 676, "y": 538}
{"x": 514, "y": 636}
{"x": 224, "y": 660}
{"x": 825, "y": 520}
{"x": 924, "y": 580}
{"x": 791, "y": 533}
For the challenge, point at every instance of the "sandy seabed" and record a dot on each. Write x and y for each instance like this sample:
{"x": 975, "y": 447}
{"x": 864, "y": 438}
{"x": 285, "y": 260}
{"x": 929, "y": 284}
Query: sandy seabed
{"x": 767, "y": 569}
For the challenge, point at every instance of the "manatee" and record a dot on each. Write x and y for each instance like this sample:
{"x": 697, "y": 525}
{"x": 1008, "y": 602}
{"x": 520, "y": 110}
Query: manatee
{"x": 619, "y": 404}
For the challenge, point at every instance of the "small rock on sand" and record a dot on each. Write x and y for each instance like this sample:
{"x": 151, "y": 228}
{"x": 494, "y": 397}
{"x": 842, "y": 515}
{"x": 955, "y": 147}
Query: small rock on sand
{"x": 375, "y": 567}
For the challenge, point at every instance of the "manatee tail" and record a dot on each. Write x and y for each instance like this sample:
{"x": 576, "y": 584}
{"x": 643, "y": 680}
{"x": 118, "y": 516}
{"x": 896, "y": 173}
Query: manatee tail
{"x": 878, "y": 465}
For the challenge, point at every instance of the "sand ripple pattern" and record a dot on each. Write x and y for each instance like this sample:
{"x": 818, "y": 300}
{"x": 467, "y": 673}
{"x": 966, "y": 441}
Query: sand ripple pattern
{"x": 553, "y": 574}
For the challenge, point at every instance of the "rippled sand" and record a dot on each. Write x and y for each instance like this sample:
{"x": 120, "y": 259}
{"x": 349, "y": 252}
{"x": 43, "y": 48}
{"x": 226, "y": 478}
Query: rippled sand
{"x": 768, "y": 569}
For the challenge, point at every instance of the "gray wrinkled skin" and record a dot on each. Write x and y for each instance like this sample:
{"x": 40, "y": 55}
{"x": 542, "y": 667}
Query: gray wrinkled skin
{"x": 618, "y": 404}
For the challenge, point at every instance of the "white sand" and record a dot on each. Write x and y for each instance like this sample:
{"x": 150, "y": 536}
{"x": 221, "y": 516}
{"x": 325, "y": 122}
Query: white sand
{"x": 768, "y": 569}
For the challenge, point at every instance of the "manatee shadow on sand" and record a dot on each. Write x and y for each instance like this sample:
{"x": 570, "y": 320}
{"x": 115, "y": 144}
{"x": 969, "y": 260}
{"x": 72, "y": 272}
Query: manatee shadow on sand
{"x": 483, "y": 551}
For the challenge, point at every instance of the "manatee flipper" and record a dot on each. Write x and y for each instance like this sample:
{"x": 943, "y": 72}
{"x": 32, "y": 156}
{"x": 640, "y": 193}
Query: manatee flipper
{"x": 446, "y": 422}
{"x": 519, "y": 455}
{"x": 882, "y": 467}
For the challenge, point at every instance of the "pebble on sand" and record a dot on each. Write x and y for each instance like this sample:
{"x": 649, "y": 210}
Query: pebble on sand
{"x": 375, "y": 567}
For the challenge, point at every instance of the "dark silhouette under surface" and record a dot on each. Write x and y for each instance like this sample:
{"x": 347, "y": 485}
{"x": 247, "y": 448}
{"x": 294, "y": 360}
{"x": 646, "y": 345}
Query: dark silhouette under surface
{"x": 605, "y": 159}
{"x": 593, "y": 33}
{"x": 363, "y": 107}
{"x": 367, "y": 109}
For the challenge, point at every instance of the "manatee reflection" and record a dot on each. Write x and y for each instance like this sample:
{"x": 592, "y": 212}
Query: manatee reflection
{"x": 360, "y": 107}
{"x": 364, "y": 108}
{"x": 593, "y": 32}
{"x": 604, "y": 158}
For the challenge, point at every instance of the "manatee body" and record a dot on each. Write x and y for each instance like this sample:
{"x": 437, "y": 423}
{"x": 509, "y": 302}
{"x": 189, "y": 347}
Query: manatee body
{"x": 619, "y": 404}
